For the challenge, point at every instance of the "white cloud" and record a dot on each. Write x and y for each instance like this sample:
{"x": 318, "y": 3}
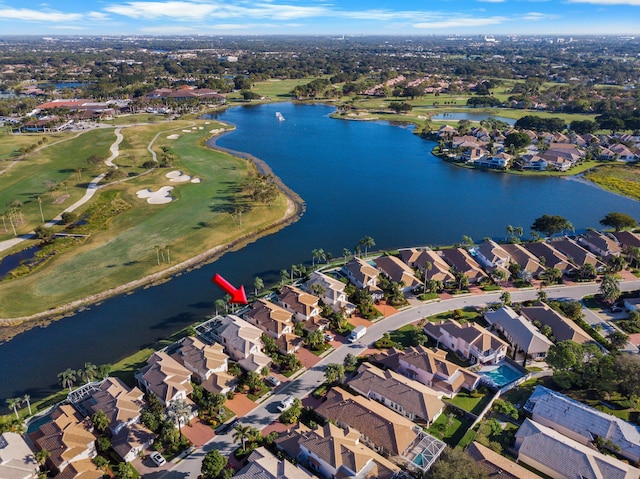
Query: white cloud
{"x": 28, "y": 15}
{"x": 537, "y": 16}
{"x": 633, "y": 3}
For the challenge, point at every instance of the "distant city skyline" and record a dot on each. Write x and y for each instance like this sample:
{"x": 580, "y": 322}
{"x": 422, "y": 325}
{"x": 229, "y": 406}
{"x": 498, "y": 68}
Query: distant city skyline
{"x": 319, "y": 17}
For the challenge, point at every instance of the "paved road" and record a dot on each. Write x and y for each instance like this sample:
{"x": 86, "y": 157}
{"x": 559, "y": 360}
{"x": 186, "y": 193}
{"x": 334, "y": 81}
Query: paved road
{"x": 265, "y": 413}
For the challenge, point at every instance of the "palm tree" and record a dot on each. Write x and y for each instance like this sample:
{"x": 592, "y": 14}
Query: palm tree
{"x": 89, "y": 372}
{"x": 345, "y": 253}
{"x": 41, "y": 457}
{"x": 67, "y": 378}
{"x": 510, "y": 231}
{"x": 100, "y": 421}
{"x": 13, "y": 403}
{"x": 427, "y": 266}
{"x": 367, "y": 242}
{"x": 180, "y": 411}
{"x": 26, "y": 398}
{"x": 258, "y": 284}
{"x": 241, "y": 434}
{"x": 221, "y": 305}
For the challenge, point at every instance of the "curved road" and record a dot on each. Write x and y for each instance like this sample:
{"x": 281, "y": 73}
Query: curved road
{"x": 265, "y": 413}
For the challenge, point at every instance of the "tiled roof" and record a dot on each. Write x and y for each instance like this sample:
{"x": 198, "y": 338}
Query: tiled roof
{"x": 264, "y": 465}
{"x": 130, "y": 437}
{"x": 269, "y": 317}
{"x": 120, "y": 404}
{"x": 524, "y": 258}
{"x": 522, "y": 332}
{"x": 566, "y": 457}
{"x": 16, "y": 459}
{"x": 563, "y": 328}
{"x": 413, "y": 396}
{"x": 560, "y": 411}
{"x": 496, "y": 465}
{"x": 327, "y": 282}
{"x": 202, "y": 357}
{"x": 575, "y": 252}
{"x": 361, "y": 270}
{"x": 461, "y": 261}
{"x": 470, "y": 333}
{"x": 66, "y": 436}
{"x": 298, "y": 300}
{"x": 166, "y": 377}
{"x": 397, "y": 270}
{"x": 382, "y": 427}
{"x": 552, "y": 257}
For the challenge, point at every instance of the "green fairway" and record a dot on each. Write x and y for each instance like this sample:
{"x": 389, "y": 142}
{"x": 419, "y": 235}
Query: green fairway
{"x": 197, "y": 220}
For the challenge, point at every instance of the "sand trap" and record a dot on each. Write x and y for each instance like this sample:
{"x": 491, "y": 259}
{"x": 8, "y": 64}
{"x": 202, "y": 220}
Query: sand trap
{"x": 162, "y": 196}
{"x": 173, "y": 137}
{"x": 186, "y": 131}
{"x": 177, "y": 177}
{"x": 216, "y": 131}
{"x": 201, "y": 128}
{"x": 207, "y": 122}
{"x": 194, "y": 127}
{"x": 196, "y": 180}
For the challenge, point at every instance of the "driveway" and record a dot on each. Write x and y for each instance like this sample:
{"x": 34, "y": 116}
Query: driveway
{"x": 240, "y": 404}
{"x": 198, "y": 432}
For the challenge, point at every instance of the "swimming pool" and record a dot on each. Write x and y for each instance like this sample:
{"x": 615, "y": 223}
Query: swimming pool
{"x": 500, "y": 375}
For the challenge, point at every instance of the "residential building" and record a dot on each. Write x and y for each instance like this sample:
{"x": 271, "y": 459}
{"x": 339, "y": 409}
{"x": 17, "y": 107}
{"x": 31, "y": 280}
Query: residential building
{"x": 332, "y": 452}
{"x": 395, "y": 270}
{"x": 261, "y": 464}
{"x": 405, "y": 396}
{"x": 470, "y": 341}
{"x": 121, "y": 405}
{"x": 386, "y": 431}
{"x": 333, "y": 292}
{"x": 208, "y": 363}
{"x": 289, "y": 343}
{"x": 521, "y": 333}
{"x": 364, "y": 276}
{"x": 491, "y": 255}
{"x": 166, "y": 378}
{"x": 430, "y": 368}
{"x": 131, "y": 441}
{"x": 241, "y": 340}
{"x": 270, "y": 318}
{"x": 496, "y": 465}
{"x": 560, "y": 457}
{"x": 69, "y": 439}
{"x": 563, "y": 328}
{"x": 600, "y": 244}
{"x": 303, "y": 306}
{"x": 583, "y": 423}
{"x": 576, "y": 253}
{"x": 16, "y": 459}
{"x": 548, "y": 256}
{"x": 627, "y": 239}
{"x": 461, "y": 261}
{"x": 525, "y": 259}
{"x": 419, "y": 257}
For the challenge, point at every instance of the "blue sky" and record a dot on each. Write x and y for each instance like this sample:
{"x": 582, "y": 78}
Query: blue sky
{"x": 334, "y": 17}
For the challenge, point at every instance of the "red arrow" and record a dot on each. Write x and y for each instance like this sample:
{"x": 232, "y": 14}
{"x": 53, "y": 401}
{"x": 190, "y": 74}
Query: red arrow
{"x": 238, "y": 295}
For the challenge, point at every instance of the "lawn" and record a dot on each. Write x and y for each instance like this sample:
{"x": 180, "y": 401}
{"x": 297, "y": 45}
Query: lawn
{"x": 127, "y": 367}
{"x": 404, "y": 335}
{"x": 449, "y": 427}
{"x": 473, "y": 403}
{"x": 198, "y": 220}
{"x": 463, "y": 316}
{"x": 279, "y": 89}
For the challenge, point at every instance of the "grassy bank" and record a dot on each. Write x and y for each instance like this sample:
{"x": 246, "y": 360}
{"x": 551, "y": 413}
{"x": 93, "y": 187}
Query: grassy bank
{"x": 199, "y": 219}
{"x": 621, "y": 179}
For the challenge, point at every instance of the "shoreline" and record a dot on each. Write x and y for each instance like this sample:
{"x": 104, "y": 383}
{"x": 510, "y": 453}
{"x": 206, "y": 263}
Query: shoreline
{"x": 10, "y": 327}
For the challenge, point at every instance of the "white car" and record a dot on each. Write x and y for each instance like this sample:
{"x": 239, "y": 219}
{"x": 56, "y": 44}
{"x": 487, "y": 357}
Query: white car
{"x": 286, "y": 403}
{"x": 328, "y": 337}
{"x": 157, "y": 459}
{"x": 272, "y": 381}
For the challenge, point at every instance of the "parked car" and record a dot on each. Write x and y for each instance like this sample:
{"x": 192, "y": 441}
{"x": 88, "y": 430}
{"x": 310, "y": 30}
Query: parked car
{"x": 328, "y": 337}
{"x": 616, "y": 309}
{"x": 286, "y": 403}
{"x": 225, "y": 428}
{"x": 272, "y": 381}
{"x": 157, "y": 459}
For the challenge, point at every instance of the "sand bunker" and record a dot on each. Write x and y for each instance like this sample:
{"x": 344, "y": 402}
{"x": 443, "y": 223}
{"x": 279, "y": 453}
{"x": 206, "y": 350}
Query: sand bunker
{"x": 177, "y": 177}
{"x": 216, "y": 131}
{"x": 207, "y": 122}
{"x": 173, "y": 137}
{"x": 186, "y": 131}
{"x": 196, "y": 180}
{"x": 162, "y": 196}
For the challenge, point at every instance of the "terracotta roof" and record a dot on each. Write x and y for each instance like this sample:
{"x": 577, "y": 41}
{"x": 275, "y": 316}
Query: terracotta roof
{"x": 470, "y": 333}
{"x": 412, "y": 396}
{"x": 120, "y": 404}
{"x": 397, "y": 271}
{"x": 166, "y": 377}
{"x": 269, "y": 317}
{"x": 461, "y": 260}
{"x": 298, "y": 300}
{"x": 361, "y": 270}
{"x": 382, "y": 427}
{"x": 202, "y": 358}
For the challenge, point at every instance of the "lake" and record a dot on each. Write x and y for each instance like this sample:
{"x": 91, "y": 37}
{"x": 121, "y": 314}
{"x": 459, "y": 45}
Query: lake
{"x": 357, "y": 178}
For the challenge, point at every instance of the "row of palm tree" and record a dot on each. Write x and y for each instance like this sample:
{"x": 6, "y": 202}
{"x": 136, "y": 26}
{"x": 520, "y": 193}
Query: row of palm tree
{"x": 15, "y": 403}
{"x": 90, "y": 372}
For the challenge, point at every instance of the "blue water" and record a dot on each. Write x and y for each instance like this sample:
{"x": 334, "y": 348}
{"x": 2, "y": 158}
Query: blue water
{"x": 502, "y": 375}
{"x": 358, "y": 179}
{"x": 471, "y": 116}
{"x": 11, "y": 262}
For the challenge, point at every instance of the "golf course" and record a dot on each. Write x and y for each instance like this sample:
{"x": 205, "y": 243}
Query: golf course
{"x": 119, "y": 238}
